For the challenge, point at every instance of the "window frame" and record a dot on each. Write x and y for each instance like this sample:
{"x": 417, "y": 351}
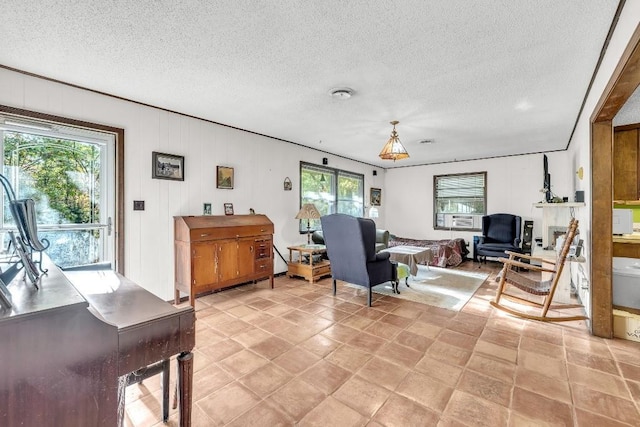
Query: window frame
{"x": 118, "y": 223}
{"x": 335, "y": 175}
{"x": 435, "y": 199}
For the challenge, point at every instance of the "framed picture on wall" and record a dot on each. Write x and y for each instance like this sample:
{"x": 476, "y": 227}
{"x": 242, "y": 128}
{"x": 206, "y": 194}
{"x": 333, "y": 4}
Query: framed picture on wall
{"x": 167, "y": 166}
{"x": 224, "y": 177}
{"x": 375, "y": 196}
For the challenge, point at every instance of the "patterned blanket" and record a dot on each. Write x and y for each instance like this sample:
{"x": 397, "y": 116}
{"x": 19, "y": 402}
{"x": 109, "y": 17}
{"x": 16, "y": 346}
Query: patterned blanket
{"x": 445, "y": 252}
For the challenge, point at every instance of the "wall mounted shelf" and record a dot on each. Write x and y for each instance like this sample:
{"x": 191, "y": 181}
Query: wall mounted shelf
{"x": 559, "y": 205}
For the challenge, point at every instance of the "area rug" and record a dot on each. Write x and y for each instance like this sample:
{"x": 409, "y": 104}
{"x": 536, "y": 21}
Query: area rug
{"x": 438, "y": 287}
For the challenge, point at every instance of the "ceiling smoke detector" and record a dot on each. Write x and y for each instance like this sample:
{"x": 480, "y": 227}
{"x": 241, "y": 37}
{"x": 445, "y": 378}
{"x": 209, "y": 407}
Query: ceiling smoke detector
{"x": 342, "y": 93}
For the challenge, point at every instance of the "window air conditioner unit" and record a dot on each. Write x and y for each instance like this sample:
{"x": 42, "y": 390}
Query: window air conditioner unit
{"x": 459, "y": 221}
{"x": 462, "y": 221}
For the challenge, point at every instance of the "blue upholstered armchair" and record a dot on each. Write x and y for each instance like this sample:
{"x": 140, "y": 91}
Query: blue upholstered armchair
{"x": 351, "y": 246}
{"x": 500, "y": 233}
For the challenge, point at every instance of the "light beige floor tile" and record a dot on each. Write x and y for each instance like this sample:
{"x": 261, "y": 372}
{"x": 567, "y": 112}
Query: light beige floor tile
{"x": 362, "y": 395}
{"x": 399, "y": 411}
{"x": 332, "y": 412}
{"x": 228, "y": 403}
{"x": 472, "y": 411}
{"x": 426, "y": 391}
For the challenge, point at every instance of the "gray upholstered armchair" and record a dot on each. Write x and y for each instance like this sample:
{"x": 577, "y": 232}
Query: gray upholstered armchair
{"x": 351, "y": 246}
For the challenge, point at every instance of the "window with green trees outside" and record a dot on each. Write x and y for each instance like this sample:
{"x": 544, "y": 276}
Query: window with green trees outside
{"x": 331, "y": 191}
{"x": 66, "y": 172}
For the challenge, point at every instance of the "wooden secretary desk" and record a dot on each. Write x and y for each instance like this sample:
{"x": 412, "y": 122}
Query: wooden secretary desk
{"x": 217, "y": 251}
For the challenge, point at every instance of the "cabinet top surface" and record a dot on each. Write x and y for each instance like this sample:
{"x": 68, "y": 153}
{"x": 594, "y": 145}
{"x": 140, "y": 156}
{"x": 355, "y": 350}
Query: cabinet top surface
{"x": 633, "y": 238}
{"x": 627, "y": 202}
{"x": 213, "y": 221}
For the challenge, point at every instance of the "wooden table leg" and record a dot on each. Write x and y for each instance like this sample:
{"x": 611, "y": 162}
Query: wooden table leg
{"x": 185, "y": 387}
{"x": 165, "y": 390}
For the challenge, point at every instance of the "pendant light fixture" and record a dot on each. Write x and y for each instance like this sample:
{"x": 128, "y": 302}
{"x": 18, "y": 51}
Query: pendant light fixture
{"x": 393, "y": 149}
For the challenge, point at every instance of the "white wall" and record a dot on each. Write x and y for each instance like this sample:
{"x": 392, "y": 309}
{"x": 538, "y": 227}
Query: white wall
{"x": 513, "y": 186}
{"x": 260, "y": 165}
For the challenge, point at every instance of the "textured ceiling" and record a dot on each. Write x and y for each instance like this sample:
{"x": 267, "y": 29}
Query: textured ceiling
{"x": 482, "y": 78}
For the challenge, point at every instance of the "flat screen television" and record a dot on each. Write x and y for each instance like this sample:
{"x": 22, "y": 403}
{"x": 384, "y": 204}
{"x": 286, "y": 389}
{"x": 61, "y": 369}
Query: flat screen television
{"x": 547, "y": 179}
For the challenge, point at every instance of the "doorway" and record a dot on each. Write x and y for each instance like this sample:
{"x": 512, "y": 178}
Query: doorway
{"x": 621, "y": 86}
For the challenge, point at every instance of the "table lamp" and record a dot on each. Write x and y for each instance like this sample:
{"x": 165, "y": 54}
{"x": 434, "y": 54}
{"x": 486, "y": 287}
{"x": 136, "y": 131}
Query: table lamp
{"x": 308, "y": 211}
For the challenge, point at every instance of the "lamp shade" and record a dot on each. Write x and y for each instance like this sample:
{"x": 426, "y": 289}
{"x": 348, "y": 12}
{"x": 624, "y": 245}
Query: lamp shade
{"x": 308, "y": 211}
{"x": 393, "y": 149}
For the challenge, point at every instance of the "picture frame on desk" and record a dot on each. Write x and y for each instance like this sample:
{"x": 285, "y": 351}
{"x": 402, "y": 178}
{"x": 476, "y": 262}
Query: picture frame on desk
{"x": 167, "y": 166}
{"x": 228, "y": 208}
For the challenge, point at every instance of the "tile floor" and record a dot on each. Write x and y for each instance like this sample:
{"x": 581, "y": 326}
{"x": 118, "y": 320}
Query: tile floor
{"x": 296, "y": 355}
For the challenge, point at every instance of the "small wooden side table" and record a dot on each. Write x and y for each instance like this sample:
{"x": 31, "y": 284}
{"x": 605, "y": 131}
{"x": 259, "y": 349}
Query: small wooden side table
{"x": 304, "y": 266}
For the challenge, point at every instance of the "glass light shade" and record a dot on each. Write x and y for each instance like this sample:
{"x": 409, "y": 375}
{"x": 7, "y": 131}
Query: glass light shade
{"x": 393, "y": 149}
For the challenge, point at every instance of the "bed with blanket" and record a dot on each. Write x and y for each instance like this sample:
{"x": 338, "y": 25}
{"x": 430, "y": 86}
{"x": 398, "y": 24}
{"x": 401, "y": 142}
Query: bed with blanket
{"x": 446, "y": 252}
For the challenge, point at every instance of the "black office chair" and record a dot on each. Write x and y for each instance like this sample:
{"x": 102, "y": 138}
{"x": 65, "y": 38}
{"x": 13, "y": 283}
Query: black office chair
{"x": 500, "y": 232}
{"x": 351, "y": 246}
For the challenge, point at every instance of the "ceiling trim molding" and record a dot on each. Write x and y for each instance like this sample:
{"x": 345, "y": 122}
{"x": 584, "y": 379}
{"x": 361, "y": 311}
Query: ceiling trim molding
{"x": 480, "y": 158}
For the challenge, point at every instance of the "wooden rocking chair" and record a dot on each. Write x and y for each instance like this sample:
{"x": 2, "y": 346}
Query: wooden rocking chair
{"x": 544, "y": 288}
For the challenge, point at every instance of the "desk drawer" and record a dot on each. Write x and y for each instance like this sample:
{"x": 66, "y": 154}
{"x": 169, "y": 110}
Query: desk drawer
{"x": 263, "y": 248}
{"x": 264, "y": 265}
{"x": 322, "y": 268}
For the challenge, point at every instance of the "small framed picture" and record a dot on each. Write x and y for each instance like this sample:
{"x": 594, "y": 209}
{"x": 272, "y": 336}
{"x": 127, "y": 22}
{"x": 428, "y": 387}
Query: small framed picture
{"x": 224, "y": 177}
{"x": 228, "y": 208}
{"x": 206, "y": 209}
{"x": 375, "y": 196}
{"x": 167, "y": 166}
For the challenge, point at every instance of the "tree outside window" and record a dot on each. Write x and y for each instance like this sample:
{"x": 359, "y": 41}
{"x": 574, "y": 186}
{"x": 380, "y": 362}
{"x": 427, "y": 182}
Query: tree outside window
{"x": 331, "y": 191}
